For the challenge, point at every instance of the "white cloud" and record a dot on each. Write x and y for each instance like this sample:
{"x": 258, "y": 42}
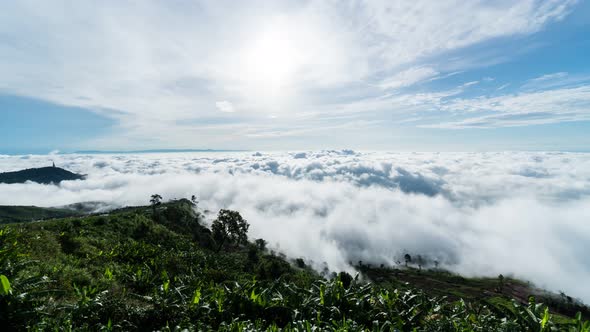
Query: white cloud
{"x": 549, "y": 77}
{"x": 526, "y": 108}
{"x": 225, "y": 106}
{"x": 408, "y": 77}
{"x": 503, "y": 86}
{"x": 158, "y": 67}
{"x": 477, "y": 213}
{"x": 468, "y": 84}
{"x": 555, "y": 80}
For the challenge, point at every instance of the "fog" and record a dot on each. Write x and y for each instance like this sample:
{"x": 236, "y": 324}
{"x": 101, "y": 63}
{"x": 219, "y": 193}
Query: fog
{"x": 521, "y": 214}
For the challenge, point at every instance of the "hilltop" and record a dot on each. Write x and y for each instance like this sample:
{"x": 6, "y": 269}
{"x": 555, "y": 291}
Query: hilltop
{"x": 161, "y": 267}
{"x": 11, "y": 214}
{"x": 19, "y": 213}
{"x": 44, "y": 175}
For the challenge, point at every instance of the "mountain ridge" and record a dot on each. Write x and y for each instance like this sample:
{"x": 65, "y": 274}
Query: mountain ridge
{"x": 43, "y": 175}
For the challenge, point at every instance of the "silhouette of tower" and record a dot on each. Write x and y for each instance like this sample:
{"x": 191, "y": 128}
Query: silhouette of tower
{"x": 53, "y": 164}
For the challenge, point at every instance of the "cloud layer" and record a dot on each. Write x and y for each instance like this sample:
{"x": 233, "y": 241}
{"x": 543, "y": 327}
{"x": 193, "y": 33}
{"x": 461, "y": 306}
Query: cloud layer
{"x": 477, "y": 213}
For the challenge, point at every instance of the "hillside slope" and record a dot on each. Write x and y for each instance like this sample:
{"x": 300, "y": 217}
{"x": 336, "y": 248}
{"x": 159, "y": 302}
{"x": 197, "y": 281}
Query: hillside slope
{"x": 160, "y": 268}
{"x": 44, "y": 175}
{"x": 10, "y": 214}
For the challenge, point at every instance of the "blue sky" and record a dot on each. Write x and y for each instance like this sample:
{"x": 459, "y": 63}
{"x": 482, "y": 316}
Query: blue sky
{"x": 272, "y": 75}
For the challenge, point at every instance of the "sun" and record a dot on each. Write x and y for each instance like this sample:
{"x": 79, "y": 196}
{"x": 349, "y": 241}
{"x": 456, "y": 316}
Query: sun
{"x": 273, "y": 57}
{"x": 273, "y": 62}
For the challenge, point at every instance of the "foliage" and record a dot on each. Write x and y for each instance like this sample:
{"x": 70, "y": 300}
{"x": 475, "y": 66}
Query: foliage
{"x": 155, "y": 200}
{"x": 229, "y": 227}
{"x": 130, "y": 272}
{"x": 9, "y": 214}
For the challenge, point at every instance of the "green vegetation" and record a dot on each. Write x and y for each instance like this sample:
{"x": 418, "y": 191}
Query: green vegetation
{"x": 11, "y": 214}
{"x": 160, "y": 268}
{"x": 45, "y": 175}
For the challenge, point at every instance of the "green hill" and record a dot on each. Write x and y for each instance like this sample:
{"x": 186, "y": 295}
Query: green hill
{"x": 10, "y": 214}
{"x": 44, "y": 175}
{"x": 161, "y": 268}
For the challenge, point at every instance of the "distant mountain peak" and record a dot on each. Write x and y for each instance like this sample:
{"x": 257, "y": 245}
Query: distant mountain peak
{"x": 44, "y": 175}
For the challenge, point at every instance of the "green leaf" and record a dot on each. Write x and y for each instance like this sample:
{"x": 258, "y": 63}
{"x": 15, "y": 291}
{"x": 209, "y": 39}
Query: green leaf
{"x": 197, "y": 296}
{"x": 166, "y": 285}
{"x": 5, "y": 288}
{"x": 545, "y": 318}
{"x": 108, "y": 273}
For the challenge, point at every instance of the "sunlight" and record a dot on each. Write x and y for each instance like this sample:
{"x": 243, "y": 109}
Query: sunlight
{"x": 272, "y": 59}
{"x": 295, "y": 165}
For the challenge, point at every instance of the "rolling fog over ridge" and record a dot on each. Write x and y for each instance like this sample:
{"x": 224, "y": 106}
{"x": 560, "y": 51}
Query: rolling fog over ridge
{"x": 477, "y": 213}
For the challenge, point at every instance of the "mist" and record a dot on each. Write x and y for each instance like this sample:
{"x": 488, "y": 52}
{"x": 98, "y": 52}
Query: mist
{"x": 478, "y": 214}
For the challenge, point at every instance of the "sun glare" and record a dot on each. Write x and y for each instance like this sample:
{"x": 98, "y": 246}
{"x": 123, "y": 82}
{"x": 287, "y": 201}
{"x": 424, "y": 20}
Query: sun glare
{"x": 272, "y": 59}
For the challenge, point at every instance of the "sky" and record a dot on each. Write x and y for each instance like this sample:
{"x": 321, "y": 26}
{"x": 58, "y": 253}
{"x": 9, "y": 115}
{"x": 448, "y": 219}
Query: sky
{"x": 287, "y": 75}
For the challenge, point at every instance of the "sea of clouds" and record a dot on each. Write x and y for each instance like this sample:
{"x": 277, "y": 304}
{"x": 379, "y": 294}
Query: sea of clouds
{"x": 515, "y": 213}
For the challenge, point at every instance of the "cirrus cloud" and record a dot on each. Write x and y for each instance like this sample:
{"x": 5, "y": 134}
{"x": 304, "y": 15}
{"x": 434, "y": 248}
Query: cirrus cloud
{"x": 163, "y": 70}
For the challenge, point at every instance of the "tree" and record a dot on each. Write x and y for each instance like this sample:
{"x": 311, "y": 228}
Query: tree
{"x": 345, "y": 278}
{"x": 420, "y": 262}
{"x": 253, "y": 257}
{"x": 155, "y": 200}
{"x": 300, "y": 263}
{"x": 261, "y": 244}
{"x": 408, "y": 259}
{"x": 229, "y": 227}
{"x": 500, "y": 283}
